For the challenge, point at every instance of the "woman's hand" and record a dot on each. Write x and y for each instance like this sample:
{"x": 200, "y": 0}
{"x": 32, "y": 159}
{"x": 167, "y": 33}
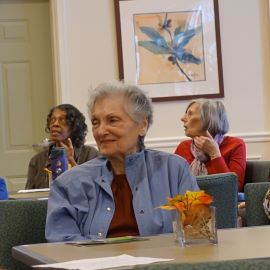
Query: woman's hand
{"x": 69, "y": 150}
{"x": 208, "y": 145}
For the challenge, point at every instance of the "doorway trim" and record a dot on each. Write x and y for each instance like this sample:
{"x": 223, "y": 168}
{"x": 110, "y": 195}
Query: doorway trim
{"x": 58, "y": 17}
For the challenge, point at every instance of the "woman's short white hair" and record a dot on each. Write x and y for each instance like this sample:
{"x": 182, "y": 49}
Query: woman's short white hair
{"x": 213, "y": 116}
{"x": 138, "y": 107}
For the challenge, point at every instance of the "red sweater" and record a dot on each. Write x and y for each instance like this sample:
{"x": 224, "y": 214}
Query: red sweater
{"x": 233, "y": 158}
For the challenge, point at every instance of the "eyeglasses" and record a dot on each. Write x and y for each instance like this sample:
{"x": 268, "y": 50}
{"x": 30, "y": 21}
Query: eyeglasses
{"x": 61, "y": 121}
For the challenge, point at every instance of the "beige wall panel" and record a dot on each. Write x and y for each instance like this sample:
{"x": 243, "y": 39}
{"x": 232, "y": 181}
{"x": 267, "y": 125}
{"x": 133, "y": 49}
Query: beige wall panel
{"x": 18, "y": 132}
{"x": 90, "y": 55}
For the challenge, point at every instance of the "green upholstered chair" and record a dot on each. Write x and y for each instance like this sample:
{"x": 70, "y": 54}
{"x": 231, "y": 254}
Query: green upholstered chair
{"x": 21, "y": 222}
{"x": 224, "y": 188}
{"x": 258, "y": 264}
{"x": 254, "y": 193}
{"x": 257, "y": 171}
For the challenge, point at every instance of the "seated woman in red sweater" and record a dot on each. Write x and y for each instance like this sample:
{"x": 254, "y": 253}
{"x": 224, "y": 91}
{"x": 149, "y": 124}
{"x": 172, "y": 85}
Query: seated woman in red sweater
{"x": 209, "y": 151}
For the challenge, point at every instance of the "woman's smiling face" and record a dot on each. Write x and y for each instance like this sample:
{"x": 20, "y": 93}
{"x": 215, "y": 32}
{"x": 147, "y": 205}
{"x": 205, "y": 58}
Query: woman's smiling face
{"x": 115, "y": 132}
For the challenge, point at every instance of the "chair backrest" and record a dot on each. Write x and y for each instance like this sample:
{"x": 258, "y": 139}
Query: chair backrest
{"x": 254, "y": 193}
{"x": 21, "y": 222}
{"x": 224, "y": 188}
{"x": 257, "y": 171}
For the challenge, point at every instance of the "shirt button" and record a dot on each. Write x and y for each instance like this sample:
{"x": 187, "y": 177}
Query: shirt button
{"x": 109, "y": 209}
{"x": 141, "y": 212}
{"x": 99, "y": 234}
{"x": 103, "y": 181}
{"x": 136, "y": 188}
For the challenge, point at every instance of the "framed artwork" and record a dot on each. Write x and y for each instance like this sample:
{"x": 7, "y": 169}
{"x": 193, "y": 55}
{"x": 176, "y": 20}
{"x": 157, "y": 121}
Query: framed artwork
{"x": 170, "y": 48}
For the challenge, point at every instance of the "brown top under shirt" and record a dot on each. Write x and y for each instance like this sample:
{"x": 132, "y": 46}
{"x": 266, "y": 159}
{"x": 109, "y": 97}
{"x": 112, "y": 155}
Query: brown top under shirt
{"x": 123, "y": 222}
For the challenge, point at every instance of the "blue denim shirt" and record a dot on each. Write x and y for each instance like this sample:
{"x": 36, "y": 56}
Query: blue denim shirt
{"x": 81, "y": 204}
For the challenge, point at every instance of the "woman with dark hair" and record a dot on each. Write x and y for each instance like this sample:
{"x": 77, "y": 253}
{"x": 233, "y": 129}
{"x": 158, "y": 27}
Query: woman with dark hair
{"x": 209, "y": 151}
{"x": 67, "y": 128}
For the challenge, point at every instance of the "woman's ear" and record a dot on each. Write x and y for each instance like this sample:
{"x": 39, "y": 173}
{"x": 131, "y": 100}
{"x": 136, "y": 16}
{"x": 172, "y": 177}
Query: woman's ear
{"x": 143, "y": 127}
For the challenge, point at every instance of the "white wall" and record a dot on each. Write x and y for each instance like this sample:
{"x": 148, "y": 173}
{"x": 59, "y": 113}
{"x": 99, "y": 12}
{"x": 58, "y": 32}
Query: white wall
{"x": 88, "y": 55}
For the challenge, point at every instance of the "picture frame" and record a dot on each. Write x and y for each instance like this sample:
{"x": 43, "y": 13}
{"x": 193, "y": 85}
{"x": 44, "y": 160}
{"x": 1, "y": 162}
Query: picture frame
{"x": 170, "y": 48}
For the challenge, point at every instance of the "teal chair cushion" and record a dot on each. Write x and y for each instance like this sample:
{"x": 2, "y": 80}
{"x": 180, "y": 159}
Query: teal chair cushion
{"x": 21, "y": 222}
{"x": 256, "y": 264}
{"x": 255, "y": 214}
{"x": 224, "y": 188}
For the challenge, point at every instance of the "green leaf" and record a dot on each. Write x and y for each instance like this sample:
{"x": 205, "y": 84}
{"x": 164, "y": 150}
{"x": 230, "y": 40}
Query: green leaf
{"x": 177, "y": 30}
{"x": 182, "y": 39}
{"x": 155, "y": 36}
{"x": 154, "y": 48}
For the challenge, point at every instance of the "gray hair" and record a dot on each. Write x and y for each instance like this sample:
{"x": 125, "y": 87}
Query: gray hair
{"x": 213, "y": 116}
{"x": 138, "y": 107}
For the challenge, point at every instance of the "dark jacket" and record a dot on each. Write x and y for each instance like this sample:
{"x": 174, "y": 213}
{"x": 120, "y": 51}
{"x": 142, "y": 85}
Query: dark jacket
{"x": 38, "y": 178}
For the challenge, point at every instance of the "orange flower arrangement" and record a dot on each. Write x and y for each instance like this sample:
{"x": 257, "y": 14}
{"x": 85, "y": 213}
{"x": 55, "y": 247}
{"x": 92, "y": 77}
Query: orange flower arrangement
{"x": 195, "y": 216}
{"x": 191, "y": 206}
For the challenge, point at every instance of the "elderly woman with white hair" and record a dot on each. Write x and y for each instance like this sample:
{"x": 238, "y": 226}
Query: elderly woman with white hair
{"x": 209, "y": 151}
{"x": 117, "y": 193}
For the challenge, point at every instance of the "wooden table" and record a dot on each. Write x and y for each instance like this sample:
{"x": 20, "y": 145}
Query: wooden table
{"x": 233, "y": 244}
{"x": 29, "y": 196}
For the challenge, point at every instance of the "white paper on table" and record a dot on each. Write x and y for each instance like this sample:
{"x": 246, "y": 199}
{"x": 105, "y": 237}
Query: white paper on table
{"x": 101, "y": 263}
{"x": 33, "y": 190}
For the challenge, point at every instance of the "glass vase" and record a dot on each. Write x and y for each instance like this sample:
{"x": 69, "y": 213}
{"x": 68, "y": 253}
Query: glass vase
{"x": 197, "y": 226}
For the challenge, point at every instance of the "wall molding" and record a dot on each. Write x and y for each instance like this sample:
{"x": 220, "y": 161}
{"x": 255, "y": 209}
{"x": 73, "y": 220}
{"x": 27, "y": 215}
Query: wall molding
{"x": 164, "y": 144}
{"x": 172, "y": 142}
{"x": 168, "y": 144}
